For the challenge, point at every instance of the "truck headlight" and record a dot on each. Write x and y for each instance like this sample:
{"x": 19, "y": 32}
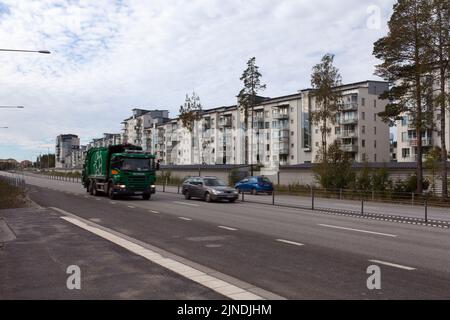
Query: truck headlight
{"x": 152, "y": 186}
{"x": 122, "y": 186}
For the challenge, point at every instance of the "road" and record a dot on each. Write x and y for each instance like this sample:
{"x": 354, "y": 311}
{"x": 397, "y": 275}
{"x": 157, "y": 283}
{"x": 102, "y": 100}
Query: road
{"x": 277, "y": 252}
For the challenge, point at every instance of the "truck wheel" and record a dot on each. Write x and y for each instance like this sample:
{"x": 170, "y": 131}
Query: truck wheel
{"x": 94, "y": 189}
{"x": 91, "y": 188}
{"x": 146, "y": 196}
{"x": 111, "y": 194}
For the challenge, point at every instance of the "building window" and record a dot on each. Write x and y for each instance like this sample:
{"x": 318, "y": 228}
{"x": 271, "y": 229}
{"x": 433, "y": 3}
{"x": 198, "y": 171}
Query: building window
{"x": 375, "y": 130}
{"x": 292, "y": 157}
{"x": 404, "y": 121}
{"x": 405, "y": 152}
{"x": 292, "y": 133}
{"x": 375, "y": 144}
{"x": 292, "y": 145}
{"x": 363, "y": 115}
{"x": 292, "y": 121}
{"x": 363, "y": 129}
{"x": 337, "y": 130}
{"x": 363, "y": 102}
{"x": 317, "y": 143}
{"x": 375, "y": 157}
{"x": 267, "y": 147}
{"x": 363, "y": 143}
{"x": 375, "y": 103}
{"x": 375, "y": 117}
{"x": 292, "y": 109}
{"x": 364, "y": 157}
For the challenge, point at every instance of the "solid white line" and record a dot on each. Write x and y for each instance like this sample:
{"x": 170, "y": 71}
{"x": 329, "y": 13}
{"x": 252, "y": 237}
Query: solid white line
{"x": 359, "y": 230}
{"x": 187, "y": 204}
{"x": 290, "y": 242}
{"x": 225, "y": 288}
{"x": 393, "y": 265}
{"x": 153, "y": 211}
{"x": 227, "y": 228}
{"x": 183, "y": 218}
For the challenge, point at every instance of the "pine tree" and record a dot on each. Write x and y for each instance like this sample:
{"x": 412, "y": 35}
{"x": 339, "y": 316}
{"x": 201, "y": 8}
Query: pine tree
{"x": 247, "y": 99}
{"x": 405, "y": 56}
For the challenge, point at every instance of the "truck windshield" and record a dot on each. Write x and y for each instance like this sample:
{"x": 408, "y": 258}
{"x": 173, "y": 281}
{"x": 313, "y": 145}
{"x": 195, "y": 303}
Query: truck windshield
{"x": 133, "y": 164}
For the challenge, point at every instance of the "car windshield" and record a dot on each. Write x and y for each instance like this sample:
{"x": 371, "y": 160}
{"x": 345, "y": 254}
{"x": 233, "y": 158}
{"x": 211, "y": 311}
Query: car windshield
{"x": 133, "y": 164}
{"x": 264, "y": 179}
{"x": 215, "y": 183}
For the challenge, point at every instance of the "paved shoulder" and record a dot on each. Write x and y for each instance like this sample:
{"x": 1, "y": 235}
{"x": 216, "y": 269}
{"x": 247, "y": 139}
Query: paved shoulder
{"x": 38, "y": 248}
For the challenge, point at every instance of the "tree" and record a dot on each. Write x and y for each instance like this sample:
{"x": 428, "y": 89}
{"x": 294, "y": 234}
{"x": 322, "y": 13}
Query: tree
{"x": 325, "y": 77}
{"x": 432, "y": 160}
{"x": 440, "y": 44}
{"x": 336, "y": 171}
{"x": 405, "y": 56}
{"x": 247, "y": 99}
{"x": 190, "y": 113}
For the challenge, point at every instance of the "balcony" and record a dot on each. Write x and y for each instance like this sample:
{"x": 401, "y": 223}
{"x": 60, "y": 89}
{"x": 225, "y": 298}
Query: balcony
{"x": 348, "y": 120}
{"x": 348, "y": 134}
{"x": 351, "y": 106}
{"x": 426, "y": 142}
{"x": 280, "y": 116}
{"x": 225, "y": 122}
{"x": 349, "y": 147}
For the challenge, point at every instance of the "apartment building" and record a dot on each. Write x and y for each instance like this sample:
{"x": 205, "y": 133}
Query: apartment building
{"x": 65, "y": 144}
{"x": 136, "y": 128}
{"x": 431, "y": 137}
{"x": 282, "y": 132}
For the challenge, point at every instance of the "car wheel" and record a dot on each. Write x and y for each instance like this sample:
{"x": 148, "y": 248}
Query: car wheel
{"x": 187, "y": 196}
{"x": 111, "y": 194}
{"x": 254, "y": 191}
{"x": 208, "y": 197}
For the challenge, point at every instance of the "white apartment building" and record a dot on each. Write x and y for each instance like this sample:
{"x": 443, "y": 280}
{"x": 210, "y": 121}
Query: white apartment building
{"x": 282, "y": 131}
{"x": 135, "y": 128}
{"x": 65, "y": 144}
{"x": 407, "y": 135}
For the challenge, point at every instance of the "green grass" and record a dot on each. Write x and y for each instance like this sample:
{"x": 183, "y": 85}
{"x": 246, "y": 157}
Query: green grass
{"x": 11, "y": 196}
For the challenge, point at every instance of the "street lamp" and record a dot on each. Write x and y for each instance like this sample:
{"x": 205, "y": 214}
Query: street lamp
{"x": 35, "y": 51}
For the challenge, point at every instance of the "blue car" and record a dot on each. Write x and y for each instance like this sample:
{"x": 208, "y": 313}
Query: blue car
{"x": 255, "y": 185}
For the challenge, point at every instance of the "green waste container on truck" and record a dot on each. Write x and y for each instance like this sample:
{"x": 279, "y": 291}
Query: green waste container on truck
{"x": 119, "y": 170}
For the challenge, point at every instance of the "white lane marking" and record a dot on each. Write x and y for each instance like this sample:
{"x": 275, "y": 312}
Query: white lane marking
{"x": 227, "y": 228}
{"x": 225, "y": 288}
{"x": 153, "y": 211}
{"x": 131, "y": 207}
{"x": 290, "y": 242}
{"x": 393, "y": 265}
{"x": 184, "y": 218}
{"x": 359, "y": 230}
{"x": 187, "y": 204}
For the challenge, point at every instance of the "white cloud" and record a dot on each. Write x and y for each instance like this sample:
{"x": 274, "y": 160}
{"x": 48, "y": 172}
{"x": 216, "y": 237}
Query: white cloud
{"x": 110, "y": 56}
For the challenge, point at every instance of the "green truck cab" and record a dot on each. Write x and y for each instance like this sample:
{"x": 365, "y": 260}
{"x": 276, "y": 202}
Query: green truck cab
{"x": 120, "y": 170}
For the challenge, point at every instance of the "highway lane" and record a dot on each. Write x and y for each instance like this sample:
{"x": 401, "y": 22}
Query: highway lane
{"x": 294, "y": 253}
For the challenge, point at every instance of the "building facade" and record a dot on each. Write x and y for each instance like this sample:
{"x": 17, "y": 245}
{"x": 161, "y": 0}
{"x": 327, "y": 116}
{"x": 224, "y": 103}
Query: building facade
{"x": 282, "y": 132}
{"x": 65, "y": 144}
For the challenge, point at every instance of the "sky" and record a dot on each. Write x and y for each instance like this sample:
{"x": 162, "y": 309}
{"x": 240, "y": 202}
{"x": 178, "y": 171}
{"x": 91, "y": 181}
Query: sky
{"x": 109, "y": 57}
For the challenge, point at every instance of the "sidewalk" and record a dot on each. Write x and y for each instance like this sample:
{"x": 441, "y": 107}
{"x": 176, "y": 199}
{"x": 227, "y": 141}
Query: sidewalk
{"x": 37, "y": 247}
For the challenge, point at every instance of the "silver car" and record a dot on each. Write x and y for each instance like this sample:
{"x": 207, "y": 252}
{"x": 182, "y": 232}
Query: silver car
{"x": 209, "y": 189}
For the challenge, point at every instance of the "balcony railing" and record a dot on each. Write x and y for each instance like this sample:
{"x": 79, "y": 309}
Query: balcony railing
{"x": 348, "y": 134}
{"x": 350, "y": 106}
{"x": 349, "y": 147}
{"x": 426, "y": 142}
{"x": 348, "y": 120}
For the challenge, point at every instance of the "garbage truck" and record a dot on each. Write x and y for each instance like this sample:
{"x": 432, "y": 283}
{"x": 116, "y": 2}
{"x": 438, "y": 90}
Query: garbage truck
{"x": 119, "y": 170}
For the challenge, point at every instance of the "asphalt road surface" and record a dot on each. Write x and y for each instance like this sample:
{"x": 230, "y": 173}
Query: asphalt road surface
{"x": 282, "y": 252}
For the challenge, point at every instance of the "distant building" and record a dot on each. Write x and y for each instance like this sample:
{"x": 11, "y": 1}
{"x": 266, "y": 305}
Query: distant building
{"x": 65, "y": 145}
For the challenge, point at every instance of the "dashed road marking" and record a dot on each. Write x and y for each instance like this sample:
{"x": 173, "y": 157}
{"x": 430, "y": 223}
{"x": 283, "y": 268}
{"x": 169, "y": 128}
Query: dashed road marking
{"x": 131, "y": 207}
{"x": 153, "y": 211}
{"x": 290, "y": 242}
{"x": 184, "y": 218}
{"x": 227, "y": 228}
{"x": 359, "y": 230}
{"x": 393, "y": 265}
{"x": 187, "y": 204}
